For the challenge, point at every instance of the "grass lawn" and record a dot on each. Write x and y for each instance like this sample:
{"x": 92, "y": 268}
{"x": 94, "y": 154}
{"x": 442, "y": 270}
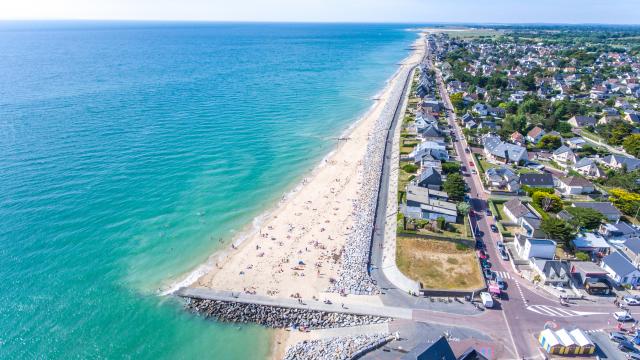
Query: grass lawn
{"x": 524, "y": 170}
{"x": 438, "y": 264}
{"x": 501, "y": 213}
{"x": 454, "y": 230}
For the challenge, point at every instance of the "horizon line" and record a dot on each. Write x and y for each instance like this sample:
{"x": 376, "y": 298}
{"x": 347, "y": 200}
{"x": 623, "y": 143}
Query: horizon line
{"x": 315, "y": 22}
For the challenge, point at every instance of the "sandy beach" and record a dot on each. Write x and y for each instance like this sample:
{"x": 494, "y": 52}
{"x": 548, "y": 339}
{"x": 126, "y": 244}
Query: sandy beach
{"x": 306, "y": 243}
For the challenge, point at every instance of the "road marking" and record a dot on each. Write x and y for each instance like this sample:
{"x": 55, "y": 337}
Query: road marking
{"x": 594, "y": 331}
{"x": 558, "y": 311}
{"x": 521, "y": 294}
{"x": 504, "y": 274}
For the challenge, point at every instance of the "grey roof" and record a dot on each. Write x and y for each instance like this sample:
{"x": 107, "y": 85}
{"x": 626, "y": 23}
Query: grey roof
{"x": 440, "y": 350}
{"x": 534, "y": 180}
{"x": 619, "y": 263}
{"x": 499, "y": 148}
{"x": 430, "y": 176}
{"x": 634, "y": 118}
{"x": 633, "y": 245}
{"x": 576, "y": 181}
{"x": 467, "y": 117}
{"x": 632, "y": 163}
{"x": 564, "y": 215}
{"x": 605, "y": 208}
{"x": 518, "y": 209}
{"x": 584, "y": 120}
{"x": 624, "y": 228}
{"x": 561, "y": 150}
{"x": 502, "y": 172}
{"x": 584, "y": 162}
{"x": 430, "y": 131}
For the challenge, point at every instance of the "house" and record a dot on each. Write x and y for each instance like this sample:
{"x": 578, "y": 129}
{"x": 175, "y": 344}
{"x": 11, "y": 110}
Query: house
{"x": 632, "y": 118}
{"x": 431, "y": 132}
{"x": 431, "y": 149}
{"x": 564, "y": 156}
{"x": 441, "y": 350}
{"x": 517, "y": 138}
{"x": 467, "y": 118}
{"x": 534, "y": 135}
{"x": 605, "y": 208}
{"x": 544, "y": 180}
{"x": 552, "y": 272}
{"x": 427, "y": 204}
{"x": 515, "y": 211}
{"x": 575, "y": 185}
{"x": 607, "y": 119}
{"x": 488, "y": 125}
{"x": 588, "y": 168}
{"x": 499, "y": 151}
{"x": 503, "y": 178}
{"x": 579, "y": 121}
{"x": 430, "y": 178}
{"x": 591, "y": 243}
{"x": 529, "y": 248}
{"x": 620, "y": 231}
{"x": 576, "y": 143}
{"x": 584, "y": 271}
{"x": 631, "y": 248}
{"x": 620, "y": 269}
{"x": 531, "y": 227}
{"x": 481, "y": 109}
{"x": 618, "y": 162}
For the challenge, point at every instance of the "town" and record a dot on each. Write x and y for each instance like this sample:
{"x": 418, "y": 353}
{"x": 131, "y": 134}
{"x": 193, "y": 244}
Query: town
{"x": 519, "y": 186}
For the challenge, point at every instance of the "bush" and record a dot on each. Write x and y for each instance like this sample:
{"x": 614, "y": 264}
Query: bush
{"x": 582, "y": 256}
{"x": 461, "y": 247}
{"x": 548, "y": 202}
{"x": 442, "y": 223}
{"x": 530, "y": 190}
{"x": 410, "y": 168}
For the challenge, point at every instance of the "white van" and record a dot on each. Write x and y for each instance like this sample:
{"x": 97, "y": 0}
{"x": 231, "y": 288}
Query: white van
{"x": 487, "y": 300}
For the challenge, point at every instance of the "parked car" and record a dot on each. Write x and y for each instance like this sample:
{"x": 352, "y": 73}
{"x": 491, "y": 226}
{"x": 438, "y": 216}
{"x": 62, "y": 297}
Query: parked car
{"x": 630, "y": 300}
{"x": 488, "y": 212}
{"x": 500, "y": 245}
{"x": 504, "y": 255}
{"x": 482, "y": 254}
{"x": 471, "y": 164}
{"x": 626, "y": 345}
{"x": 488, "y": 274}
{"x": 486, "y": 264}
{"x": 622, "y": 316}
{"x": 633, "y": 356}
{"x": 487, "y": 300}
{"x": 494, "y": 228}
{"x": 500, "y": 282}
{"x": 617, "y": 336}
{"x": 467, "y": 150}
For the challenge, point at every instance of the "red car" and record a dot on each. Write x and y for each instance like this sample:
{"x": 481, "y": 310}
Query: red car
{"x": 471, "y": 163}
{"x": 481, "y": 254}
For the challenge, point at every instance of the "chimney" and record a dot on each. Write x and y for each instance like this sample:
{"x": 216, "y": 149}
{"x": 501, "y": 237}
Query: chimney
{"x": 506, "y": 156}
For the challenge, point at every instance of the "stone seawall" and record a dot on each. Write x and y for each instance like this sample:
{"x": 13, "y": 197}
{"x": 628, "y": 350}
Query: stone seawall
{"x": 350, "y": 347}
{"x": 277, "y": 317}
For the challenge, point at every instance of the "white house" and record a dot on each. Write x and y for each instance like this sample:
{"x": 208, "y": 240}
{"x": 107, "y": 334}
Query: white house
{"x": 535, "y": 248}
{"x": 620, "y": 269}
{"x": 574, "y": 185}
{"x": 535, "y": 134}
{"x": 564, "y": 156}
{"x": 590, "y": 242}
{"x": 588, "y": 168}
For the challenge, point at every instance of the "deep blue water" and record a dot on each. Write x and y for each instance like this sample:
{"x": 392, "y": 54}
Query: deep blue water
{"x": 128, "y": 149}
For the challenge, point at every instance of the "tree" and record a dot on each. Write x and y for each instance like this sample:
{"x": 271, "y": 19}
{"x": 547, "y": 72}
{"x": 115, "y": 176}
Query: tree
{"x": 558, "y": 229}
{"x": 463, "y": 208}
{"x": 632, "y": 144}
{"x": 549, "y": 142}
{"x": 585, "y": 217}
{"x": 548, "y": 202}
{"x": 454, "y": 187}
{"x": 582, "y": 256}
{"x": 625, "y": 201}
{"x": 457, "y": 101}
{"x": 442, "y": 223}
{"x": 450, "y": 167}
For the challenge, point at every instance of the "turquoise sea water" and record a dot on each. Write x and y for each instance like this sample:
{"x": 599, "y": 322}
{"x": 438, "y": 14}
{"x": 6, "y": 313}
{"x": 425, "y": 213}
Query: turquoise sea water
{"x": 127, "y": 150}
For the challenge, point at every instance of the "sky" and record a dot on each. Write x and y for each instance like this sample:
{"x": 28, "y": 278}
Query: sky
{"x": 398, "y": 11}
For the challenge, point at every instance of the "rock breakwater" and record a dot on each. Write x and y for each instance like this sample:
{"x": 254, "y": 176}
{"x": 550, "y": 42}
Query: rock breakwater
{"x": 277, "y": 317}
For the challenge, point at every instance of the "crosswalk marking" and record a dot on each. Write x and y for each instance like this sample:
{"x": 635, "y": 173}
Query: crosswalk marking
{"x": 594, "y": 331}
{"x": 552, "y": 311}
{"x": 503, "y": 274}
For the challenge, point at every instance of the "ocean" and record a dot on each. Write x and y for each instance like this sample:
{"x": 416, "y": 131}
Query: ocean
{"x": 131, "y": 151}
